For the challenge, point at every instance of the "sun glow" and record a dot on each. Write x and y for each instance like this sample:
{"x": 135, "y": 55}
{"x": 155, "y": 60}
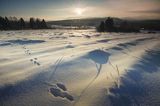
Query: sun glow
{"x": 79, "y": 11}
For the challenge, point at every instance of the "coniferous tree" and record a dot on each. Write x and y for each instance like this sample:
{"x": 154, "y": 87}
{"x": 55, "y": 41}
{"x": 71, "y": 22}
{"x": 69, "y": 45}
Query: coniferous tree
{"x": 43, "y": 24}
{"x": 32, "y": 23}
{"x": 6, "y": 24}
{"x": 1, "y": 23}
{"x": 101, "y": 27}
{"x": 22, "y": 23}
{"x": 109, "y": 24}
{"x": 13, "y": 23}
{"x": 38, "y": 24}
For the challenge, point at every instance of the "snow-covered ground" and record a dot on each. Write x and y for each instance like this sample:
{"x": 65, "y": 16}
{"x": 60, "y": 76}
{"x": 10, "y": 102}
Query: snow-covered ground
{"x": 79, "y": 68}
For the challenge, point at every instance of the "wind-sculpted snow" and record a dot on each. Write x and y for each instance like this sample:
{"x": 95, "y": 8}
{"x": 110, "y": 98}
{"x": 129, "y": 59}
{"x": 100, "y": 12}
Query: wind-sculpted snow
{"x": 5, "y": 43}
{"x": 23, "y": 42}
{"x": 99, "y": 57}
{"x": 135, "y": 91}
{"x": 79, "y": 68}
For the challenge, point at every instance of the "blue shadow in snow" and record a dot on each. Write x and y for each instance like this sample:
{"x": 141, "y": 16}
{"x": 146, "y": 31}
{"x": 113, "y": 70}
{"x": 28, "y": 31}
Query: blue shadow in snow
{"x": 22, "y": 42}
{"x": 132, "y": 89}
{"x": 12, "y": 90}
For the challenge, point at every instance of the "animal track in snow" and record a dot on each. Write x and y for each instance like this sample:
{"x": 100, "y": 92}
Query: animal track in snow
{"x": 28, "y": 52}
{"x": 61, "y": 91}
{"x": 35, "y": 61}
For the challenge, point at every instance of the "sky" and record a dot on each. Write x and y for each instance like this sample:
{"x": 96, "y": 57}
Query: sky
{"x": 69, "y": 9}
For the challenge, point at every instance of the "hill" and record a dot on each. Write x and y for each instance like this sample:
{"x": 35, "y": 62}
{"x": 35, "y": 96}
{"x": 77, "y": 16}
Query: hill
{"x": 79, "y": 22}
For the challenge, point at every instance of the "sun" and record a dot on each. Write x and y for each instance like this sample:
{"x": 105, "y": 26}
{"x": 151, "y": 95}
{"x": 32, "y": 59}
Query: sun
{"x": 79, "y": 11}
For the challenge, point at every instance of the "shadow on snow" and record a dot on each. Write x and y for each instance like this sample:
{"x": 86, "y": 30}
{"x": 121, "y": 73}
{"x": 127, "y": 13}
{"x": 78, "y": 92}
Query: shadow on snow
{"x": 132, "y": 89}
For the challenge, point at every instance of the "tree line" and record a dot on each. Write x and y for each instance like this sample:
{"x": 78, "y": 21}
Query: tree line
{"x": 109, "y": 26}
{"x": 12, "y": 23}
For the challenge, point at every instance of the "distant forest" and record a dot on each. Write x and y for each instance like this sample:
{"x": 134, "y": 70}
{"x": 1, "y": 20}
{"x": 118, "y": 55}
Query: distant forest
{"x": 152, "y": 24}
{"x": 110, "y": 24}
{"x": 12, "y": 23}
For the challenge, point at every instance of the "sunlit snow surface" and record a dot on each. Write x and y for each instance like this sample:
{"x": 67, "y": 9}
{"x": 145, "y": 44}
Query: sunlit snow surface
{"x": 79, "y": 68}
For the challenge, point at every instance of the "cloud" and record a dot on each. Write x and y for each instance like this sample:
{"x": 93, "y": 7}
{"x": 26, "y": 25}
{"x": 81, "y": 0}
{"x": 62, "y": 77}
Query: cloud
{"x": 154, "y": 11}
